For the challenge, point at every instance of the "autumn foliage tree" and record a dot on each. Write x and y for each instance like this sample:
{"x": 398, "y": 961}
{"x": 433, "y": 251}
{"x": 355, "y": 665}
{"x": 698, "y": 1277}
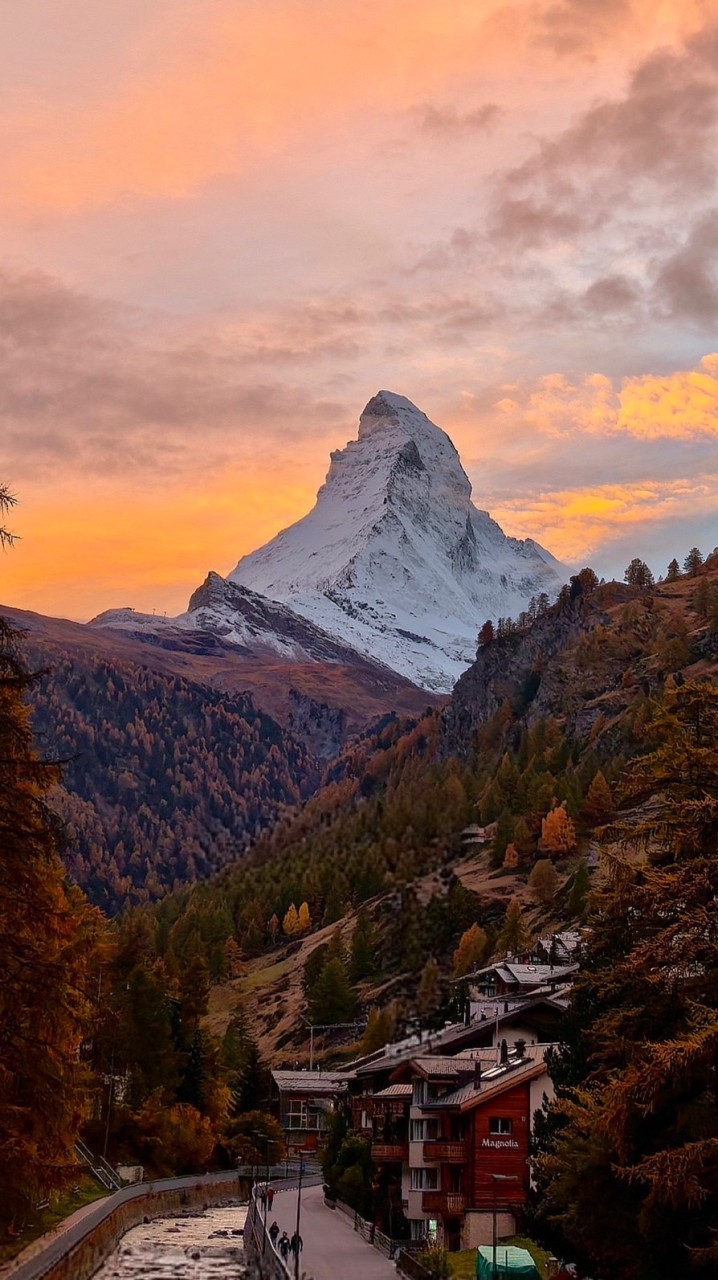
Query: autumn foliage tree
{"x": 290, "y": 923}
{"x": 598, "y": 805}
{"x": 514, "y": 935}
{"x": 470, "y": 951}
{"x": 628, "y": 1162}
{"x": 558, "y": 833}
{"x": 48, "y": 939}
{"x": 543, "y": 881}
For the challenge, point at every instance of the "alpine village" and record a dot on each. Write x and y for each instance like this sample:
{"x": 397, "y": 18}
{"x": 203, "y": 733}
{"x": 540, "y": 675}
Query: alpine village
{"x": 292, "y": 888}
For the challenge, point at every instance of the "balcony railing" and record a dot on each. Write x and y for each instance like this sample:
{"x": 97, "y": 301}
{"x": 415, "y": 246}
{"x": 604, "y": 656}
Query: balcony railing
{"x": 383, "y": 1152}
{"x": 448, "y": 1152}
{"x": 447, "y": 1203}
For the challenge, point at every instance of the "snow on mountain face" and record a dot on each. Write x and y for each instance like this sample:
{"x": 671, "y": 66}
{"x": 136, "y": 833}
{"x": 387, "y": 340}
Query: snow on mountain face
{"x": 222, "y": 613}
{"x": 394, "y": 559}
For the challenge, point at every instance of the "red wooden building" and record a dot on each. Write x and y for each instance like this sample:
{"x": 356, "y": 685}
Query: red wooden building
{"x": 470, "y": 1123}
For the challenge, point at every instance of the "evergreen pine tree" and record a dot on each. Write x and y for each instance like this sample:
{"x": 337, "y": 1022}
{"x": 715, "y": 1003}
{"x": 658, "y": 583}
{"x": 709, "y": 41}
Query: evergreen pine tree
{"x": 428, "y": 997}
{"x": 48, "y": 940}
{"x": 578, "y": 895}
{"x": 333, "y": 999}
{"x": 632, "y": 1137}
{"x": 693, "y": 562}
{"x": 363, "y": 957}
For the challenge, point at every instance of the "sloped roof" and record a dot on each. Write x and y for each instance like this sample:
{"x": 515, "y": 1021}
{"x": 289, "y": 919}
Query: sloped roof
{"x": 311, "y": 1082}
{"x": 493, "y": 1082}
{"x": 525, "y": 974}
{"x": 395, "y": 1091}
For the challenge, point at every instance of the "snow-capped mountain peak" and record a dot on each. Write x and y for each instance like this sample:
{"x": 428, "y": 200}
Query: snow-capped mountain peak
{"x": 394, "y": 559}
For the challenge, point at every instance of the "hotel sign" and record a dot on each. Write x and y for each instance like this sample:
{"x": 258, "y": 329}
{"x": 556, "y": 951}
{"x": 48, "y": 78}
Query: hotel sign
{"x": 496, "y": 1143}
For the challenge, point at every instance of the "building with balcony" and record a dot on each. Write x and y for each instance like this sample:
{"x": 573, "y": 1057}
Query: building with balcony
{"x": 303, "y": 1101}
{"x": 469, "y": 1124}
{"x": 512, "y": 977}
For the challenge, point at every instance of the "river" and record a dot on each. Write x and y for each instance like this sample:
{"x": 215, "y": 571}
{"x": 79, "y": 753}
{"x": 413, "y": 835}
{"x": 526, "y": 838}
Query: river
{"x": 191, "y": 1247}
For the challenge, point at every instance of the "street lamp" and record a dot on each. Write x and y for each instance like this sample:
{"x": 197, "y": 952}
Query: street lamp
{"x": 302, "y": 1153}
{"x": 258, "y": 1133}
{"x": 498, "y": 1177}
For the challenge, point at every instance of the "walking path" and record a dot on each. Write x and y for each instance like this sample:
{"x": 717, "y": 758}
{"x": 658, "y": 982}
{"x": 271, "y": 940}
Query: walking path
{"x": 333, "y": 1250}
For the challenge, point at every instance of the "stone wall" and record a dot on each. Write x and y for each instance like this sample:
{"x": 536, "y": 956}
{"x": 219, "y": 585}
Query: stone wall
{"x": 77, "y": 1251}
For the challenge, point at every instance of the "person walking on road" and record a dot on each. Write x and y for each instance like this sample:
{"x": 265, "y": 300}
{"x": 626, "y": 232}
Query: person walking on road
{"x": 273, "y": 1233}
{"x": 284, "y": 1245}
{"x": 296, "y": 1244}
{"x": 270, "y": 1197}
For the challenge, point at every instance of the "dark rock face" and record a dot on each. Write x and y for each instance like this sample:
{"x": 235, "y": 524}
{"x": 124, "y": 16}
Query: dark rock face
{"x": 504, "y": 668}
{"x": 321, "y": 727}
{"x": 539, "y": 671}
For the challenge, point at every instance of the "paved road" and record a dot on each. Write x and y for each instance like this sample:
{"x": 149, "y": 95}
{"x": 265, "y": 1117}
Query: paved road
{"x": 333, "y": 1250}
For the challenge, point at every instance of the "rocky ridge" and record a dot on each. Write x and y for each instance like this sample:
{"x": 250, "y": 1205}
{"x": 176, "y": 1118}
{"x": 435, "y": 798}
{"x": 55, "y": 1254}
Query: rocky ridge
{"x": 394, "y": 558}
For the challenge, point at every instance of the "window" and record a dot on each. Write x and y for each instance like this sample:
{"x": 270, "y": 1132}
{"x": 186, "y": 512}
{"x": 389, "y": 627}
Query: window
{"x": 423, "y": 1130}
{"x": 500, "y": 1124}
{"x": 419, "y": 1097}
{"x": 300, "y": 1115}
{"x": 297, "y": 1114}
{"x": 424, "y": 1179}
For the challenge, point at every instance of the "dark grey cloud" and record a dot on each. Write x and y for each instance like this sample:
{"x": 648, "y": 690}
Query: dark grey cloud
{"x": 98, "y": 387}
{"x": 576, "y": 26}
{"x": 658, "y": 142}
{"x": 611, "y": 294}
{"x": 447, "y": 121}
{"x": 685, "y": 285}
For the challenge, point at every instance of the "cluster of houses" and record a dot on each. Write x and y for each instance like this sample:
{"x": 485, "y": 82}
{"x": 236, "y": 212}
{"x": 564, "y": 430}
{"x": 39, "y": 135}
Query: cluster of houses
{"x": 449, "y": 1113}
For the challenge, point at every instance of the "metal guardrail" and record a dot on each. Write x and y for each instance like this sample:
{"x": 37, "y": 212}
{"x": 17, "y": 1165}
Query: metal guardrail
{"x": 407, "y": 1264}
{"x": 385, "y": 1244}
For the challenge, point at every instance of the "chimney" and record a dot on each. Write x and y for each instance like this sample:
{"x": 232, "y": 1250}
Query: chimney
{"x": 504, "y": 1053}
{"x": 520, "y": 1047}
{"x": 477, "y": 1073}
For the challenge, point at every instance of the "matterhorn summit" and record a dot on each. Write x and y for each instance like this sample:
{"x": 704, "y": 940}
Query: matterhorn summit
{"x": 394, "y": 560}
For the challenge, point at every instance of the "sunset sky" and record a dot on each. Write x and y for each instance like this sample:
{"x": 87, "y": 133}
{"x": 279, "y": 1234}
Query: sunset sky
{"x": 227, "y": 223}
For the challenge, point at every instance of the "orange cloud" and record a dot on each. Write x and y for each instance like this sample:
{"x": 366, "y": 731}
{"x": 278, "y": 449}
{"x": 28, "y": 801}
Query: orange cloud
{"x": 678, "y": 405}
{"x": 576, "y": 523}
{"x": 681, "y": 406}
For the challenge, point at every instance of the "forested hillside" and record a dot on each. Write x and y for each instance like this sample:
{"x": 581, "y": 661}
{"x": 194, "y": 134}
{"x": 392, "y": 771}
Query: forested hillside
{"x": 164, "y": 780}
{"x": 532, "y": 755}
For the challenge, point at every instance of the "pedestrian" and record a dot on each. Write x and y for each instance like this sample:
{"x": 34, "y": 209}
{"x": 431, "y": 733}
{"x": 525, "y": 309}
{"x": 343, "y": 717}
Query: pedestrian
{"x": 284, "y": 1244}
{"x": 270, "y": 1198}
{"x": 296, "y": 1244}
{"x": 273, "y": 1233}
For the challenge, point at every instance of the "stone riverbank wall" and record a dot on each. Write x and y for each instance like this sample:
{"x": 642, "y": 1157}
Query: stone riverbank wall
{"x": 78, "y": 1249}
